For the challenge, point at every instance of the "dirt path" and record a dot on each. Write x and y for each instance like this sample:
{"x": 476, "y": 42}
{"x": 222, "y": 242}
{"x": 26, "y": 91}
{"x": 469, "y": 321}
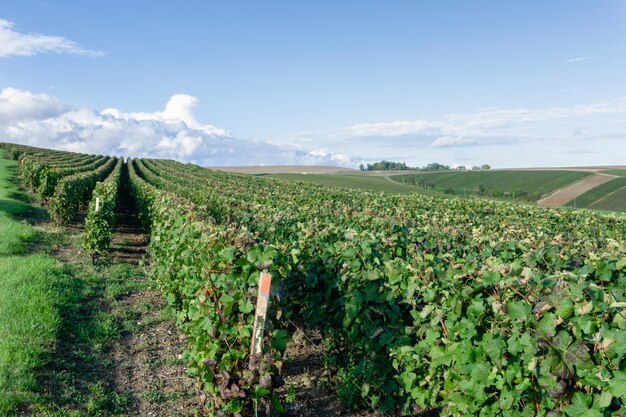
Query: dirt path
{"x": 308, "y": 391}
{"x": 145, "y": 360}
{"x": 566, "y": 194}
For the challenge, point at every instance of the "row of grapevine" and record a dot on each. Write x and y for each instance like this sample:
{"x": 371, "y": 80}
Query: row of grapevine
{"x": 472, "y": 306}
{"x": 64, "y": 179}
{"x": 43, "y": 169}
{"x": 209, "y": 275}
{"x": 100, "y": 217}
{"x": 74, "y": 191}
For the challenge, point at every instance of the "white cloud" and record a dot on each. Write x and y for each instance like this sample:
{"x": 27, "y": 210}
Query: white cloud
{"x": 579, "y": 59}
{"x": 397, "y": 128}
{"x": 475, "y": 127}
{"x": 446, "y": 141}
{"x": 178, "y": 109}
{"x": 13, "y": 43}
{"x": 590, "y": 134}
{"x": 17, "y": 105}
{"x": 41, "y": 120}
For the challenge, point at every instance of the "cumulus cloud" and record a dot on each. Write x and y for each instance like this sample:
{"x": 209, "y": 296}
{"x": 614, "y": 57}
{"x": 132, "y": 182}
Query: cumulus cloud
{"x": 42, "y": 120}
{"x": 14, "y": 43}
{"x": 17, "y": 105}
{"x": 178, "y": 109}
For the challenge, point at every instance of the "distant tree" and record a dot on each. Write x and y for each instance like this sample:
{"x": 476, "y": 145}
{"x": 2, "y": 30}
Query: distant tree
{"x": 460, "y": 168}
{"x": 435, "y": 166}
{"x": 361, "y": 167}
{"x": 387, "y": 166}
{"x": 475, "y": 168}
{"x": 485, "y": 167}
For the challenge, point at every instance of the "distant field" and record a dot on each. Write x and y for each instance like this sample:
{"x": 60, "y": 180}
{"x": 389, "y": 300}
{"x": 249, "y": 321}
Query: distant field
{"x": 618, "y": 172}
{"x": 613, "y": 202}
{"x": 541, "y": 182}
{"x": 534, "y": 183}
{"x": 287, "y": 169}
{"x": 587, "y": 199}
{"x": 361, "y": 182}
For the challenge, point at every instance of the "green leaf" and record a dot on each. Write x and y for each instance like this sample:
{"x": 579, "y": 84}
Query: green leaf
{"x": 227, "y": 301}
{"x": 580, "y": 407}
{"x": 604, "y": 400}
{"x": 280, "y": 338}
{"x": 245, "y": 306}
{"x": 407, "y": 379}
{"x": 518, "y": 310}
{"x": 617, "y": 385}
{"x": 480, "y": 372}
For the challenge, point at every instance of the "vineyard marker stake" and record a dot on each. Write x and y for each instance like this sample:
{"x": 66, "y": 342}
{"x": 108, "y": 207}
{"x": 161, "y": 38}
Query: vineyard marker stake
{"x": 265, "y": 282}
{"x": 260, "y": 317}
{"x": 97, "y": 204}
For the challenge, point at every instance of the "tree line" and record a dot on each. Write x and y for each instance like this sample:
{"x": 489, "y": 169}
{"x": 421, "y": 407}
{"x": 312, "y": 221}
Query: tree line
{"x": 401, "y": 166}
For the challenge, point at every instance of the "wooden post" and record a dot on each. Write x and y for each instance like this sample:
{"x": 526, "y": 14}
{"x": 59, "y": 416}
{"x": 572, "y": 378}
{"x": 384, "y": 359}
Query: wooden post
{"x": 260, "y": 319}
{"x": 97, "y": 204}
{"x": 265, "y": 282}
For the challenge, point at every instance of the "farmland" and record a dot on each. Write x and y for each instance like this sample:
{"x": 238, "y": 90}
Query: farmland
{"x": 617, "y": 172}
{"x": 423, "y": 303}
{"x": 599, "y": 193}
{"x": 531, "y": 183}
{"x": 612, "y": 202}
{"x": 357, "y": 182}
{"x": 518, "y": 185}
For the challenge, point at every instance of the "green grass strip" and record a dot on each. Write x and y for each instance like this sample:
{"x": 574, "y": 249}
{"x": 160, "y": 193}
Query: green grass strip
{"x": 28, "y": 324}
{"x": 16, "y": 236}
{"x": 613, "y": 202}
{"x": 587, "y": 199}
{"x": 618, "y": 172}
{"x": 29, "y": 317}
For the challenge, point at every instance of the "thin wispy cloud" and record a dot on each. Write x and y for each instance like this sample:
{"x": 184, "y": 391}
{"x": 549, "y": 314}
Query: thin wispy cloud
{"x": 504, "y": 137}
{"x": 579, "y": 59}
{"x": 483, "y": 123}
{"x": 14, "y": 43}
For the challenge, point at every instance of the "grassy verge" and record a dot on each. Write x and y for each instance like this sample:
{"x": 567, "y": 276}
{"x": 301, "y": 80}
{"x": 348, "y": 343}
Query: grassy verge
{"x": 29, "y": 318}
{"x": 29, "y": 321}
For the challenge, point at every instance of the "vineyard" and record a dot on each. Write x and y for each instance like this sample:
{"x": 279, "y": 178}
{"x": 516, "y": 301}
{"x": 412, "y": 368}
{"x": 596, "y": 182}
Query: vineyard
{"x": 424, "y": 303}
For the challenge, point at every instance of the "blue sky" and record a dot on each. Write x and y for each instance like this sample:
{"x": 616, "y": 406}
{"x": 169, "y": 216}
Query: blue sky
{"x": 529, "y": 83}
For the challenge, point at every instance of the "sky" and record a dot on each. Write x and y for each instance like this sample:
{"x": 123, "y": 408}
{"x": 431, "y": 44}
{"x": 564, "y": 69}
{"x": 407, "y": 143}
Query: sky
{"x": 510, "y": 84}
